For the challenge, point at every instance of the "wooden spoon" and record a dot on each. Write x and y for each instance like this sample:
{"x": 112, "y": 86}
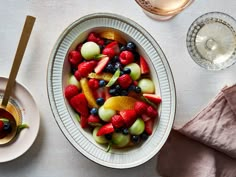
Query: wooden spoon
{"x": 28, "y": 26}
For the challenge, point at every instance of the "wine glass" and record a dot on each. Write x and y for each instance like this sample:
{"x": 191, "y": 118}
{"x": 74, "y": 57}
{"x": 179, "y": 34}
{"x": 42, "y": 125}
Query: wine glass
{"x": 163, "y": 9}
{"x": 211, "y": 41}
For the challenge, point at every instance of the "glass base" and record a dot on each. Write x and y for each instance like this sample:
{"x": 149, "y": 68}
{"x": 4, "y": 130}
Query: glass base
{"x": 211, "y": 41}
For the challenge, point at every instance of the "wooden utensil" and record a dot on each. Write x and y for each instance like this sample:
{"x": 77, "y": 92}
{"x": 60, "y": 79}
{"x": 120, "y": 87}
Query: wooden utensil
{"x": 28, "y": 26}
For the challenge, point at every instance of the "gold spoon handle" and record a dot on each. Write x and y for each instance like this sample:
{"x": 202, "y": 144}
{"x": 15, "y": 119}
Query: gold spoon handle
{"x": 28, "y": 26}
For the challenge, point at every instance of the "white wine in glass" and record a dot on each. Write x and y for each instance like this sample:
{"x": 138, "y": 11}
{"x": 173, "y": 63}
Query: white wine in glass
{"x": 163, "y": 9}
{"x": 211, "y": 40}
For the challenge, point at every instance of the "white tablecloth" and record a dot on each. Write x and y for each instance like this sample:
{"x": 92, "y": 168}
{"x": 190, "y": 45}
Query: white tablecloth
{"x": 52, "y": 155}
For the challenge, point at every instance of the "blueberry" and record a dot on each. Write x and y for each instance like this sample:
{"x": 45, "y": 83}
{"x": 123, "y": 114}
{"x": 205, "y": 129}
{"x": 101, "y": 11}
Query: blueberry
{"x": 124, "y": 93}
{"x": 144, "y": 136}
{"x": 94, "y": 111}
{"x": 102, "y": 83}
{"x": 136, "y": 56}
{"x": 115, "y": 59}
{"x": 127, "y": 70}
{"x": 108, "y": 136}
{"x": 101, "y": 47}
{"x": 109, "y": 68}
{"x": 125, "y": 131}
{"x": 131, "y": 46}
{"x": 7, "y": 126}
{"x": 118, "y": 88}
{"x": 112, "y": 91}
{"x": 100, "y": 101}
{"x": 117, "y": 66}
{"x": 131, "y": 88}
{"x": 135, "y": 139}
{"x": 138, "y": 89}
{"x": 123, "y": 48}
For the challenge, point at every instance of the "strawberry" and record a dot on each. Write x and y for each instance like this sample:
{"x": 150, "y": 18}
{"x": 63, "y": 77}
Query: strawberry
{"x": 94, "y": 120}
{"x": 93, "y": 84}
{"x": 115, "y": 46}
{"x": 126, "y": 57}
{"x": 129, "y": 116}
{"x": 153, "y": 98}
{"x": 145, "y": 117}
{"x": 74, "y": 57}
{"x": 149, "y": 126}
{"x": 106, "y": 129}
{"x": 78, "y": 47}
{"x": 124, "y": 81}
{"x": 83, "y": 121}
{"x": 86, "y": 67}
{"x": 77, "y": 75}
{"x": 101, "y": 64}
{"x": 93, "y": 37}
{"x": 151, "y": 112}
{"x": 117, "y": 121}
{"x": 109, "y": 52}
{"x": 1, "y": 125}
{"x": 143, "y": 66}
{"x": 140, "y": 107}
{"x": 70, "y": 91}
{"x": 80, "y": 104}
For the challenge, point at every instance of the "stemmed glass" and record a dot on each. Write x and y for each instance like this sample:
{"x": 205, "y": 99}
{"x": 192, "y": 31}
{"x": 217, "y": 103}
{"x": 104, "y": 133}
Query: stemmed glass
{"x": 211, "y": 41}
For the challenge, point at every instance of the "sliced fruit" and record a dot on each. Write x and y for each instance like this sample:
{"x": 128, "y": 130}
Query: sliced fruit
{"x": 89, "y": 50}
{"x": 135, "y": 70}
{"x": 102, "y": 76}
{"x": 94, "y": 120}
{"x": 106, "y": 114}
{"x": 120, "y": 103}
{"x": 86, "y": 67}
{"x": 117, "y": 121}
{"x": 129, "y": 116}
{"x": 146, "y": 85}
{"x": 71, "y": 91}
{"x": 140, "y": 107}
{"x": 144, "y": 66}
{"x": 72, "y": 80}
{"x": 137, "y": 127}
{"x": 153, "y": 98}
{"x": 99, "y": 139}
{"x": 149, "y": 126}
{"x": 114, "y": 78}
{"x": 114, "y": 45}
{"x": 84, "y": 121}
{"x": 106, "y": 129}
{"x": 101, "y": 64}
{"x": 88, "y": 93}
{"x": 152, "y": 112}
{"x": 112, "y": 35}
{"x": 80, "y": 104}
{"x": 120, "y": 140}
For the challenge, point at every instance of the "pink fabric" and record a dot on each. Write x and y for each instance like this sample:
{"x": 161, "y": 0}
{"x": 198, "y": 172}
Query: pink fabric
{"x": 205, "y": 146}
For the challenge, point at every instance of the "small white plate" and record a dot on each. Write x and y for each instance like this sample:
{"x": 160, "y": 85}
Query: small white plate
{"x": 30, "y": 116}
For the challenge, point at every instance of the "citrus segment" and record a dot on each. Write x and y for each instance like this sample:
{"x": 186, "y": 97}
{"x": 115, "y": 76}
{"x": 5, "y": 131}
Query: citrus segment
{"x": 104, "y": 76}
{"x": 88, "y": 93}
{"x": 120, "y": 103}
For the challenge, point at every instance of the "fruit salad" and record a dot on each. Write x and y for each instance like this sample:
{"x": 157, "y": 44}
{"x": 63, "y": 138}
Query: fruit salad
{"x": 111, "y": 90}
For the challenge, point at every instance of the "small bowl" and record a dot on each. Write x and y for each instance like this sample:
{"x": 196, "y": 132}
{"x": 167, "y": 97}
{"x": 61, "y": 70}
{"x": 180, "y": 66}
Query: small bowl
{"x": 58, "y": 74}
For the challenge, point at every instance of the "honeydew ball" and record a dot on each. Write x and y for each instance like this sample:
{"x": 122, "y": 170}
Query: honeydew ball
{"x": 72, "y": 80}
{"x": 137, "y": 127}
{"x": 89, "y": 50}
{"x": 146, "y": 85}
{"x": 99, "y": 139}
{"x": 106, "y": 114}
{"x": 135, "y": 70}
{"x": 120, "y": 140}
